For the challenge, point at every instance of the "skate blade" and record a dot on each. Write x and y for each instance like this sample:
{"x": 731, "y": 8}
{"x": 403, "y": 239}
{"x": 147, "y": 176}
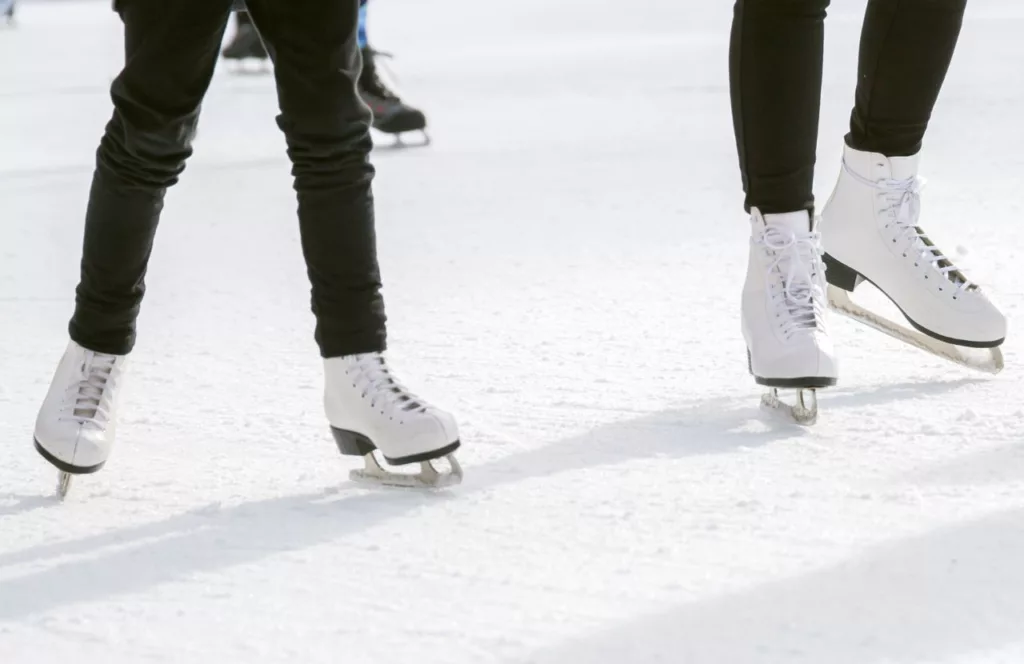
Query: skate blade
{"x": 63, "y": 484}
{"x": 249, "y": 67}
{"x": 804, "y": 411}
{"x": 987, "y": 360}
{"x": 428, "y": 477}
{"x": 400, "y": 141}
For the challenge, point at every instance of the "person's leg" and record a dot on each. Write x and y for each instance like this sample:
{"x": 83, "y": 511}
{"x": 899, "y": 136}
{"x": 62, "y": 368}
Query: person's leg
{"x": 316, "y": 56}
{"x": 905, "y": 51}
{"x": 170, "y": 53}
{"x": 775, "y": 70}
{"x": 326, "y": 125}
{"x": 871, "y": 225}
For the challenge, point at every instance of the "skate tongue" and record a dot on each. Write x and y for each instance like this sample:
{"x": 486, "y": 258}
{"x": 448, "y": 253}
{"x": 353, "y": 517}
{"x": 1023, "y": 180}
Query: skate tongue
{"x": 904, "y": 168}
{"x": 794, "y": 222}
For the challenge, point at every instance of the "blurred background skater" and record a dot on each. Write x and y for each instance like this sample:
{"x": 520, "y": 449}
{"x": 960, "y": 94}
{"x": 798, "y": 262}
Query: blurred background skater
{"x": 246, "y": 45}
{"x": 7, "y": 10}
{"x": 391, "y": 114}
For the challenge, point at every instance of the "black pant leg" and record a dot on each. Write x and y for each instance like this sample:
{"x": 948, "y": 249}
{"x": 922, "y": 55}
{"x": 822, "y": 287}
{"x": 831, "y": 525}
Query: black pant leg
{"x": 171, "y": 49}
{"x": 326, "y": 125}
{"x": 775, "y": 70}
{"x": 905, "y": 50}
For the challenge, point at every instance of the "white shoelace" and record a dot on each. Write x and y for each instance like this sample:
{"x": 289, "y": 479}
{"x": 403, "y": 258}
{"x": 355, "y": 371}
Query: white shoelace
{"x": 797, "y": 258}
{"x": 374, "y": 378}
{"x": 87, "y": 400}
{"x": 904, "y": 199}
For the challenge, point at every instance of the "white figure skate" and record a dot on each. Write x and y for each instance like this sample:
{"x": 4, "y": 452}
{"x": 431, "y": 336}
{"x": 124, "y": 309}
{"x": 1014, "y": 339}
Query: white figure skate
{"x": 76, "y": 426}
{"x": 783, "y": 313}
{"x": 368, "y": 409}
{"x": 870, "y": 232}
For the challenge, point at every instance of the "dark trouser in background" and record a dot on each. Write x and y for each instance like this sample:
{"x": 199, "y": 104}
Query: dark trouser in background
{"x": 775, "y": 67}
{"x": 171, "y": 49}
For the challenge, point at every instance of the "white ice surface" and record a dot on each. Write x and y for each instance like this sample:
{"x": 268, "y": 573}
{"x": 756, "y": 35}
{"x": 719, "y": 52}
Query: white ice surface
{"x": 562, "y": 268}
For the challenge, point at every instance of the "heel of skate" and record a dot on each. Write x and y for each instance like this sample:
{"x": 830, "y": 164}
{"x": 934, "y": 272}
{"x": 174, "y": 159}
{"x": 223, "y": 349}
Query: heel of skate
{"x": 840, "y": 275}
{"x": 351, "y": 443}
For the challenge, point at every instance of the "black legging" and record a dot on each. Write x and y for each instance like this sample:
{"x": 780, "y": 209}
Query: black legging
{"x": 171, "y": 49}
{"x": 775, "y": 69}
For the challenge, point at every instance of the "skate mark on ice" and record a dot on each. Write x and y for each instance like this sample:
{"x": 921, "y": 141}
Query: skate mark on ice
{"x": 1001, "y": 465}
{"x": 157, "y": 553}
{"x": 22, "y": 504}
{"x": 953, "y": 591}
{"x": 213, "y": 538}
{"x": 28, "y": 92}
{"x": 40, "y": 176}
{"x": 858, "y": 396}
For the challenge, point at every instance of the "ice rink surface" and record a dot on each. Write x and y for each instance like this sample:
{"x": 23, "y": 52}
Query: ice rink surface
{"x": 562, "y": 268}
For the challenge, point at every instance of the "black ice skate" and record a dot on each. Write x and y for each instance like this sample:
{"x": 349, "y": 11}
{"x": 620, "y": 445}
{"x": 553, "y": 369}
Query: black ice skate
{"x": 390, "y": 114}
{"x": 246, "y": 49}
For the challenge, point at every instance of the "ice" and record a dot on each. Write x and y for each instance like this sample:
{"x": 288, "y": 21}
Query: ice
{"x": 562, "y": 267}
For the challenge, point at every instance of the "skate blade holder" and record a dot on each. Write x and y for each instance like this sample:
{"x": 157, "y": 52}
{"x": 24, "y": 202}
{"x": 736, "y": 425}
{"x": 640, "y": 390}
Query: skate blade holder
{"x": 63, "y": 484}
{"x": 351, "y": 443}
{"x": 424, "y": 139}
{"x": 986, "y": 360}
{"x": 401, "y": 141}
{"x": 251, "y": 66}
{"x": 429, "y": 477}
{"x": 804, "y": 411}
